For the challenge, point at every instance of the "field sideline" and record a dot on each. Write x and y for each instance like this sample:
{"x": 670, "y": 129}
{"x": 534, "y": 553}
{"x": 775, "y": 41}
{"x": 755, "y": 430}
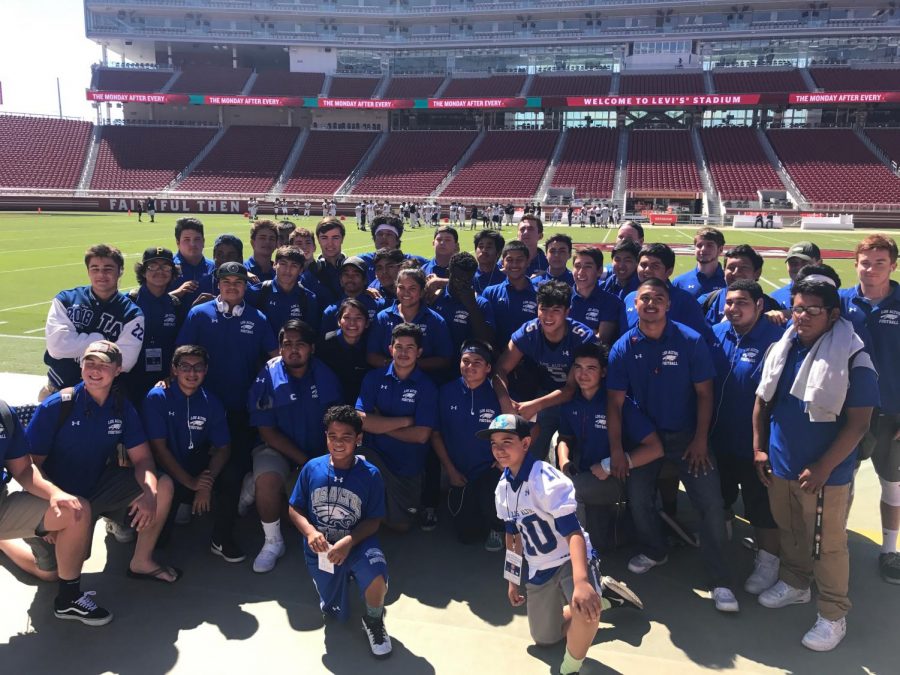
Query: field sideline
{"x": 42, "y": 254}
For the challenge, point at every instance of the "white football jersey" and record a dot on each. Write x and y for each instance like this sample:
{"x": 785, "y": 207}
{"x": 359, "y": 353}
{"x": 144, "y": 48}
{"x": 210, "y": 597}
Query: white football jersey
{"x": 540, "y": 500}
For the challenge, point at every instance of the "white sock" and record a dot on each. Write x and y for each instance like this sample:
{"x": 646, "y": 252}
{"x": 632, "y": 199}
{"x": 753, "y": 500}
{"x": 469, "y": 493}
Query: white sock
{"x": 889, "y": 541}
{"x": 272, "y": 530}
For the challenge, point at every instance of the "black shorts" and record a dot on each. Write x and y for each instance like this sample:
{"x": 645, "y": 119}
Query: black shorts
{"x": 738, "y": 475}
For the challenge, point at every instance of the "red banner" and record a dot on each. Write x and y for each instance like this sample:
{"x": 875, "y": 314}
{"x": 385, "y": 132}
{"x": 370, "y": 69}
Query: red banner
{"x": 663, "y": 218}
{"x": 365, "y": 103}
{"x": 661, "y": 101}
{"x": 275, "y": 101}
{"x": 458, "y": 103}
{"x": 133, "y": 97}
{"x": 846, "y": 97}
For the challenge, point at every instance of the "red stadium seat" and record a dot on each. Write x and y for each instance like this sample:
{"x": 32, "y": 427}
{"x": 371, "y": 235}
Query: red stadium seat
{"x": 588, "y": 163}
{"x": 670, "y": 84}
{"x": 413, "y": 87}
{"x": 118, "y": 79}
{"x": 738, "y": 164}
{"x": 662, "y": 161}
{"x": 211, "y": 80}
{"x": 280, "y": 83}
{"x": 39, "y": 152}
{"x": 857, "y": 79}
{"x": 327, "y": 159}
{"x": 752, "y": 81}
{"x": 570, "y": 85}
{"x": 481, "y": 87}
{"x": 353, "y": 87}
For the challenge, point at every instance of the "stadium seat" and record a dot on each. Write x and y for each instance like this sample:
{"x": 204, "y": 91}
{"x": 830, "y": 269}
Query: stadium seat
{"x": 752, "y": 81}
{"x": 413, "y": 87}
{"x": 327, "y": 159}
{"x": 662, "y": 161}
{"x": 42, "y": 152}
{"x": 570, "y": 85}
{"x": 857, "y": 79}
{"x": 481, "y": 87}
{"x": 888, "y": 140}
{"x": 280, "y": 83}
{"x": 646, "y": 85}
{"x": 353, "y": 87}
{"x": 738, "y": 164}
{"x": 588, "y": 163}
{"x": 145, "y": 81}
{"x": 210, "y": 80}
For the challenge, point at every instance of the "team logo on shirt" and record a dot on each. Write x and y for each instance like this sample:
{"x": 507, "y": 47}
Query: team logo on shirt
{"x": 295, "y": 312}
{"x": 750, "y": 355}
{"x": 600, "y": 421}
{"x": 247, "y": 327}
{"x": 486, "y": 415}
{"x": 114, "y": 427}
{"x": 337, "y": 509}
{"x": 168, "y": 321}
{"x": 593, "y": 314}
{"x": 670, "y": 357}
{"x": 461, "y": 316}
{"x": 409, "y": 396}
{"x": 375, "y": 556}
{"x": 314, "y": 392}
{"x": 889, "y": 317}
{"x": 529, "y": 306}
{"x": 196, "y": 423}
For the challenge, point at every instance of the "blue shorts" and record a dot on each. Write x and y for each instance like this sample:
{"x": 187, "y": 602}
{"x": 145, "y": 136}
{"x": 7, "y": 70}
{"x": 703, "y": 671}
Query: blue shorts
{"x": 365, "y": 563}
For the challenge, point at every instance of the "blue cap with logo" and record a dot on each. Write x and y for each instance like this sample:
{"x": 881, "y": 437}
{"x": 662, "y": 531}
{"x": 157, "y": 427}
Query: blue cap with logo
{"x": 506, "y": 423}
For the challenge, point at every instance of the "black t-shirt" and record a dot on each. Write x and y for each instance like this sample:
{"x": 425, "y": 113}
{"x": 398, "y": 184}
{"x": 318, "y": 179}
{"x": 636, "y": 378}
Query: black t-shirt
{"x": 347, "y": 361}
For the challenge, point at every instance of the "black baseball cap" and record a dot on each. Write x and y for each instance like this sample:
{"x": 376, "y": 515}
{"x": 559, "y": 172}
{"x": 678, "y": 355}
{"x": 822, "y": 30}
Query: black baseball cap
{"x": 232, "y": 269}
{"x": 358, "y": 263}
{"x": 805, "y": 250}
{"x": 506, "y": 423}
{"x": 158, "y": 253}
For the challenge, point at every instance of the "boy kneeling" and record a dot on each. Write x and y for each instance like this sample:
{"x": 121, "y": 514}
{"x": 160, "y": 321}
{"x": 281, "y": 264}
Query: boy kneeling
{"x": 338, "y": 504}
{"x": 537, "y": 503}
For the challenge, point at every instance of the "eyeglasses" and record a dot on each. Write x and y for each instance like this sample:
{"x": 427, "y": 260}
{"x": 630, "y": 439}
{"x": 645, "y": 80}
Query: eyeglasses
{"x": 191, "y": 368}
{"x": 814, "y": 310}
{"x": 158, "y": 267}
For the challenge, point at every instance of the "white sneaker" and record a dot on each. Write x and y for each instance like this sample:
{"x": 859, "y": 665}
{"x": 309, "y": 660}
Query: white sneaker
{"x": 641, "y": 563}
{"x": 765, "y": 573}
{"x": 379, "y": 640}
{"x": 494, "y": 542}
{"x": 825, "y": 635}
{"x": 269, "y": 554}
{"x": 183, "y": 514}
{"x": 248, "y": 494}
{"x": 120, "y": 533}
{"x": 782, "y": 595}
{"x": 725, "y": 600}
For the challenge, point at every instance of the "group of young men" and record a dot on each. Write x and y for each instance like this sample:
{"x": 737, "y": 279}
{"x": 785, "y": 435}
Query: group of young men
{"x": 232, "y": 383}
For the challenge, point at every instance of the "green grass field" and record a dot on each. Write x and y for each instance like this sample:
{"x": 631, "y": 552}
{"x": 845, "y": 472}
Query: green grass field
{"x": 42, "y": 254}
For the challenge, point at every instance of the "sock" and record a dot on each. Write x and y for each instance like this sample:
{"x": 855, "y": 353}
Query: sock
{"x": 374, "y": 612}
{"x": 889, "y": 541}
{"x": 570, "y": 664}
{"x": 69, "y": 589}
{"x": 272, "y": 530}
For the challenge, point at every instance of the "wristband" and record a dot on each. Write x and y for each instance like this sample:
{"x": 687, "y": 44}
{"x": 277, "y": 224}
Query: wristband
{"x": 605, "y": 464}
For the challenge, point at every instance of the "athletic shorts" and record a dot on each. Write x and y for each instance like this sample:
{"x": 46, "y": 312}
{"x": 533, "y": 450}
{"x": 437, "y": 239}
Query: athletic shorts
{"x": 21, "y": 514}
{"x": 268, "y": 460}
{"x": 403, "y": 494}
{"x": 886, "y": 452}
{"x": 545, "y": 603}
{"x": 737, "y": 474}
{"x": 365, "y": 563}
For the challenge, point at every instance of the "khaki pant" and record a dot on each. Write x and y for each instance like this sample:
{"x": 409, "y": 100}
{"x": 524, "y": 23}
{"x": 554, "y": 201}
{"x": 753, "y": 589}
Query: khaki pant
{"x": 795, "y": 513}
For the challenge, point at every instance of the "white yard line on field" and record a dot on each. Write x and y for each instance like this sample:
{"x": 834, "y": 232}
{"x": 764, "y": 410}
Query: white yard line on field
{"x": 29, "y": 332}
{"x": 22, "y": 337}
{"x": 33, "y": 304}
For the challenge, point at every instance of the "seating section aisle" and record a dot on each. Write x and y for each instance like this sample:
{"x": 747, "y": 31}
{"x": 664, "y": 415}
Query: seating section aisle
{"x": 481, "y": 87}
{"x": 145, "y": 158}
{"x": 211, "y": 80}
{"x": 118, "y": 79}
{"x": 42, "y": 152}
{"x": 413, "y": 87}
{"x": 413, "y": 163}
{"x": 327, "y": 159}
{"x": 738, "y": 164}
{"x": 662, "y": 161}
{"x": 507, "y": 164}
{"x": 353, "y": 87}
{"x": 645, "y": 85}
{"x": 570, "y": 85}
{"x": 245, "y": 160}
{"x": 832, "y": 166}
{"x": 588, "y": 163}
{"x": 280, "y": 83}
{"x": 751, "y": 81}
{"x": 888, "y": 140}
{"x": 857, "y": 79}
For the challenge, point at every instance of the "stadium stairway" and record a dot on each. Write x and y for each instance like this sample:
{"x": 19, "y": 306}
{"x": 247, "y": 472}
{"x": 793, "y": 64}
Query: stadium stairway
{"x": 196, "y": 161}
{"x": 614, "y": 85}
{"x": 620, "y": 184}
{"x": 361, "y": 168}
{"x": 712, "y": 203}
{"x": 167, "y": 87}
{"x": 709, "y": 82}
{"x": 461, "y": 163}
{"x": 789, "y": 185}
{"x": 290, "y": 163}
{"x": 248, "y": 85}
{"x": 541, "y": 193}
{"x": 382, "y": 86}
{"x": 878, "y": 152}
{"x": 326, "y": 86}
{"x": 526, "y": 86}
{"x": 90, "y": 161}
{"x": 440, "y": 90}
{"x": 807, "y": 77}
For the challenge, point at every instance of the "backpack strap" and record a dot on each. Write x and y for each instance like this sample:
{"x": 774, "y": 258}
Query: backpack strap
{"x": 711, "y": 300}
{"x": 66, "y": 403}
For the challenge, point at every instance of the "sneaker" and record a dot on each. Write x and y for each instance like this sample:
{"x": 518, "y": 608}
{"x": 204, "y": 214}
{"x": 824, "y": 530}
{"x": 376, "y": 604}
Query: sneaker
{"x": 84, "y": 609}
{"x": 725, "y": 600}
{"x": 640, "y": 564}
{"x": 684, "y": 536}
{"x": 183, "y": 514}
{"x": 765, "y": 573}
{"x": 248, "y": 494}
{"x": 271, "y": 551}
{"x": 618, "y": 594}
{"x": 228, "y": 550}
{"x": 889, "y": 566}
{"x": 825, "y": 635}
{"x": 494, "y": 542}
{"x": 750, "y": 544}
{"x": 429, "y": 520}
{"x": 120, "y": 533}
{"x": 379, "y": 640}
{"x": 782, "y": 595}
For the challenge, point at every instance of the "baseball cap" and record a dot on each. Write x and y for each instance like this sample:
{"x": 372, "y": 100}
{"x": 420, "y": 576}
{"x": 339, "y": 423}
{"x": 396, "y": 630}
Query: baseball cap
{"x": 510, "y": 424}
{"x": 106, "y": 351}
{"x": 232, "y": 269}
{"x": 358, "y": 263}
{"x": 805, "y": 250}
{"x": 158, "y": 253}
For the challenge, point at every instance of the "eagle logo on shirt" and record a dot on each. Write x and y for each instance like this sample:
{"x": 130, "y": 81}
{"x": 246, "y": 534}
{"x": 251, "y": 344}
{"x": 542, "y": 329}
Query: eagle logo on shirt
{"x": 529, "y": 307}
{"x": 593, "y": 314}
{"x": 486, "y": 415}
{"x": 889, "y": 317}
{"x": 247, "y": 327}
{"x": 114, "y": 427}
{"x": 409, "y": 396}
{"x": 670, "y": 358}
{"x": 750, "y": 355}
{"x": 169, "y": 321}
{"x": 196, "y": 423}
{"x": 600, "y": 421}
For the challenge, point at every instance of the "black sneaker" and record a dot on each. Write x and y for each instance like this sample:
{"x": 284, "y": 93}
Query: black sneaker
{"x": 618, "y": 594}
{"x": 889, "y": 566}
{"x": 379, "y": 640}
{"x": 429, "y": 520}
{"x": 84, "y": 609}
{"x": 228, "y": 550}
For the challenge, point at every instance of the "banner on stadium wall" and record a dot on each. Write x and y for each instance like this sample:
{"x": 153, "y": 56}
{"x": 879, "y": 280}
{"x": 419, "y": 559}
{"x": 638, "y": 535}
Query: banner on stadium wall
{"x": 365, "y": 103}
{"x": 846, "y": 97}
{"x": 134, "y": 97}
{"x": 461, "y": 103}
{"x": 273, "y": 101}
{"x": 234, "y": 206}
{"x": 661, "y": 101}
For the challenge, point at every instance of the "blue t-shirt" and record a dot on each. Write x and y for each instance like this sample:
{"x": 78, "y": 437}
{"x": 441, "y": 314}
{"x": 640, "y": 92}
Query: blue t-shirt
{"x": 77, "y": 454}
{"x": 463, "y": 412}
{"x": 697, "y": 283}
{"x": 163, "y": 317}
{"x": 660, "y": 374}
{"x": 236, "y": 346}
{"x": 585, "y": 421}
{"x": 683, "y": 308}
{"x": 334, "y": 500}
{"x": 253, "y": 267}
{"x": 538, "y": 264}
{"x": 456, "y": 316}
{"x": 416, "y": 396}
{"x": 431, "y": 267}
{"x": 739, "y": 363}
{"x": 597, "y": 308}
{"x": 279, "y": 306}
{"x": 435, "y": 333}
{"x": 716, "y": 312}
{"x": 566, "y": 277}
{"x": 511, "y": 307}
{"x": 329, "y": 318}
{"x": 782, "y": 296}
{"x": 203, "y": 273}
{"x": 13, "y": 442}
{"x": 611, "y": 285}
{"x": 551, "y": 360}
{"x": 879, "y": 328}
{"x": 190, "y": 425}
{"x": 295, "y": 406}
{"x": 484, "y": 279}
{"x": 794, "y": 441}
